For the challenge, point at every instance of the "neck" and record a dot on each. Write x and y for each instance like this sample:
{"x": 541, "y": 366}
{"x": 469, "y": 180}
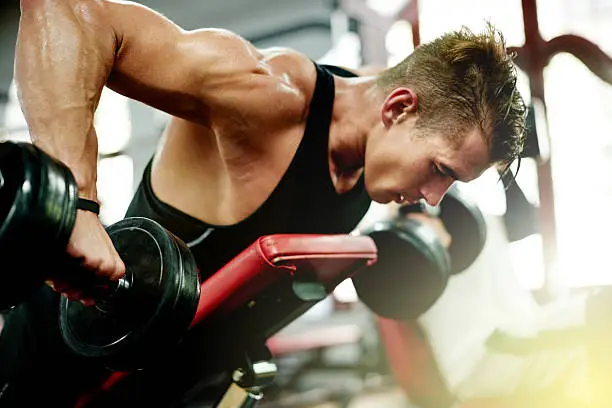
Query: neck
{"x": 356, "y": 112}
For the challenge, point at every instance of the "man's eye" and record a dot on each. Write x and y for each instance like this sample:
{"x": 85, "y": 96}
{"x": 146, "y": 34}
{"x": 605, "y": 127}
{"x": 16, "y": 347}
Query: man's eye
{"x": 437, "y": 170}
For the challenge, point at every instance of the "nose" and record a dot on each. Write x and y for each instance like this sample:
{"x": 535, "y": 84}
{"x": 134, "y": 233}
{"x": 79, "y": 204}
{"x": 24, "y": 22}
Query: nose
{"x": 434, "y": 191}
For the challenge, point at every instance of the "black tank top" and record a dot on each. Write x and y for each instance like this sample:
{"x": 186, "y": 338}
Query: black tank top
{"x": 304, "y": 201}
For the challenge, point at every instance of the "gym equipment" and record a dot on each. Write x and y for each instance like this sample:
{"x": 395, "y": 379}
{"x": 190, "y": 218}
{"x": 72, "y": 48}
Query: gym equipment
{"x": 463, "y": 220}
{"x": 145, "y": 311}
{"x": 151, "y": 307}
{"x": 413, "y": 266}
{"x": 411, "y": 273}
{"x": 37, "y": 210}
{"x": 257, "y": 293}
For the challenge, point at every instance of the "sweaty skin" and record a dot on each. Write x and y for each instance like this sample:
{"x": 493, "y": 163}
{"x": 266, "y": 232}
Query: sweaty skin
{"x": 238, "y": 115}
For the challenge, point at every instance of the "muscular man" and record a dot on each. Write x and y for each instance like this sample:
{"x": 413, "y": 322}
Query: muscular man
{"x": 261, "y": 141}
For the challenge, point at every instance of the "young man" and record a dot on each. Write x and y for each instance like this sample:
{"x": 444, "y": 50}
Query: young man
{"x": 261, "y": 141}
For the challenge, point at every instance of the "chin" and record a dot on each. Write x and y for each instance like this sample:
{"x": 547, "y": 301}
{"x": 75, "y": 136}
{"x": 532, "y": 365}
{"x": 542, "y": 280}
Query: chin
{"x": 375, "y": 198}
{"x": 380, "y": 196}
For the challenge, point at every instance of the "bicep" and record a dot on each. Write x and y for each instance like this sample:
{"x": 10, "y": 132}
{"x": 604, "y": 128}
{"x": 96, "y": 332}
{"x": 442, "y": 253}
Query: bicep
{"x": 169, "y": 68}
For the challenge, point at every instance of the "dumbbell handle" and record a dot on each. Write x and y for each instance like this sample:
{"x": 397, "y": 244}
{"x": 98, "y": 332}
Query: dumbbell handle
{"x": 108, "y": 290}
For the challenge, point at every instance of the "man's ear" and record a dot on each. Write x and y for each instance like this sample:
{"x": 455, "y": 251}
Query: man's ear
{"x": 398, "y": 104}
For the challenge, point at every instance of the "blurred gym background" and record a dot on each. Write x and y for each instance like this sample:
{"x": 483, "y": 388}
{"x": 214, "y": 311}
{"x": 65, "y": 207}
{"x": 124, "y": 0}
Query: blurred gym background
{"x": 539, "y": 279}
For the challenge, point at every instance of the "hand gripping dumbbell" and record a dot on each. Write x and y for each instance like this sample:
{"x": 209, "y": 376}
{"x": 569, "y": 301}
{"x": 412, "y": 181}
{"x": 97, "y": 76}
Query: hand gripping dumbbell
{"x": 413, "y": 267}
{"x": 463, "y": 220}
{"x": 148, "y": 309}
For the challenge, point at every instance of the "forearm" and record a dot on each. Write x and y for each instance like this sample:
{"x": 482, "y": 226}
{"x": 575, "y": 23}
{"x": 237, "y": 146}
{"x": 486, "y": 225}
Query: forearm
{"x": 64, "y": 54}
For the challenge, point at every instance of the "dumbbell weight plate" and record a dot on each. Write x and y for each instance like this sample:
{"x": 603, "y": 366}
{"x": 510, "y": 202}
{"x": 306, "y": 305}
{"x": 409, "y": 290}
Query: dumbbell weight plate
{"x": 37, "y": 213}
{"x": 465, "y": 222}
{"x": 132, "y": 327}
{"x": 411, "y": 272}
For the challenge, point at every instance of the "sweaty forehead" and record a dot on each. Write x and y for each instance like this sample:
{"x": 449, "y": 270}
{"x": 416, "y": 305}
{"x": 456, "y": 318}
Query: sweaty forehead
{"x": 472, "y": 157}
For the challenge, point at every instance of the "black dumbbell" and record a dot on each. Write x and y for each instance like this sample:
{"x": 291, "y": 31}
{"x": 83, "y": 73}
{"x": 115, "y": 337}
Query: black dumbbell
{"x": 411, "y": 272}
{"x": 147, "y": 310}
{"x": 37, "y": 210}
{"x": 463, "y": 220}
{"x": 413, "y": 266}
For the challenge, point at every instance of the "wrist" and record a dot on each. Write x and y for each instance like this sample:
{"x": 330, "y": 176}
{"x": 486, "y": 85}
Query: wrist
{"x": 87, "y": 189}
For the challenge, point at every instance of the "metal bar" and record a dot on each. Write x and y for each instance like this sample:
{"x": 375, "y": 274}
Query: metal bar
{"x": 534, "y": 60}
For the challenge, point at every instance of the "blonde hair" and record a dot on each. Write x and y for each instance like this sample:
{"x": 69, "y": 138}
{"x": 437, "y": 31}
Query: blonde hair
{"x": 465, "y": 79}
